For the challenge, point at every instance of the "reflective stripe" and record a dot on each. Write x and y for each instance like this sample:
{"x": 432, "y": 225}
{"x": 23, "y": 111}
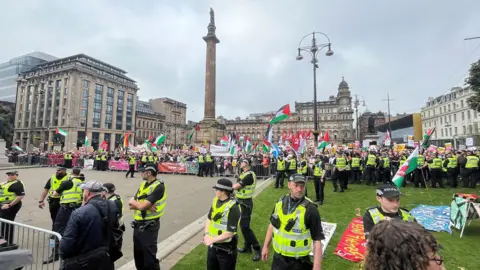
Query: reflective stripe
{"x": 74, "y": 194}
{"x": 340, "y": 162}
{"x": 289, "y": 249}
{"x": 377, "y": 216}
{"x": 55, "y": 184}
{"x": 5, "y": 195}
{"x": 247, "y": 191}
{"x": 293, "y": 237}
{"x": 219, "y": 226}
{"x": 160, "y": 204}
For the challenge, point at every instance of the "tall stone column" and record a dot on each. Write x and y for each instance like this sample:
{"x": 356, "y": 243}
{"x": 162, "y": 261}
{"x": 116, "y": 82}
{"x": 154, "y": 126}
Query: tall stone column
{"x": 210, "y": 69}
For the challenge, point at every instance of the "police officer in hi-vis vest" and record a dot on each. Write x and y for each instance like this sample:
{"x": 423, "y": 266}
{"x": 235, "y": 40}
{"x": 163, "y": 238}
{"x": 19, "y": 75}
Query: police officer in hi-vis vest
{"x": 389, "y": 198}
{"x": 221, "y": 228}
{"x": 67, "y": 160}
{"x": 11, "y": 194}
{"x": 201, "y": 165}
{"x": 281, "y": 166}
{"x": 245, "y": 188}
{"x": 53, "y": 183}
{"x": 131, "y": 165}
{"x": 295, "y": 227}
{"x": 71, "y": 196}
{"x": 340, "y": 175}
{"x": 319, "y": 180}
{"x": 112, "y": 196}
{"x": 148, "y": 205}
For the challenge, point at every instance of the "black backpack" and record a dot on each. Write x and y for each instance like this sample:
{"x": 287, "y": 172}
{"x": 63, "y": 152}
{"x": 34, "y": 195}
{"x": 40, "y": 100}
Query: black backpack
{"x": 114, "y": 235}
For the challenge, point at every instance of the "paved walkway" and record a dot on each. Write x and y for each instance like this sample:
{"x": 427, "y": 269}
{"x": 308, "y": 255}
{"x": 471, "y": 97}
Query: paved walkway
{"x": 188, "y": 199}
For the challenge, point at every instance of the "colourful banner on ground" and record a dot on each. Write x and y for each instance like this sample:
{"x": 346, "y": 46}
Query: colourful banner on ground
{"x": 328, "y": 231}
{"x": 192, "y": 167}
{"x": 473, "y": 197}
{"x": 172, "y": 167}
{"x": 433, "y": 218}
{"x": 352, "y": 245}
{"x": 119, "y": 165}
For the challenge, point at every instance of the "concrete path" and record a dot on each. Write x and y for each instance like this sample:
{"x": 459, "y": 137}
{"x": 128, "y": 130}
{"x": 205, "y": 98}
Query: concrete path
{"x": 189, "y": 198}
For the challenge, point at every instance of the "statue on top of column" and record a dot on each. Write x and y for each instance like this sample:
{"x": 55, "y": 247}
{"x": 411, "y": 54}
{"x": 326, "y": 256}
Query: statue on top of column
{"x": 212, "y": 16}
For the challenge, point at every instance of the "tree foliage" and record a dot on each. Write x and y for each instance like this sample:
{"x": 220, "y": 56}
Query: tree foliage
{"x": 7, "y": 119}
{"x": 473, "y": 81}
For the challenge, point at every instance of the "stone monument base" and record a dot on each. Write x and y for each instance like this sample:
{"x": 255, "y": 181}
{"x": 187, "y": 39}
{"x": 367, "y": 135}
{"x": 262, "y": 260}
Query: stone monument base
{"x": 3, "y": 159}
{"x": 372, "y": 137}
{"x": 210, "y": 131}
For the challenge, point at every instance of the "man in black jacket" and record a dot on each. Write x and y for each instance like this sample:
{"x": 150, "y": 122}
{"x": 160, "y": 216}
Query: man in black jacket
{"x": 86, "y": 240}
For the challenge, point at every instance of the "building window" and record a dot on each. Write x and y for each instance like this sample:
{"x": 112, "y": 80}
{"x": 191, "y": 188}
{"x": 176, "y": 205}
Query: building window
{"x": 441, "y": 122}
{"x": 96, "y": 119}
{"x": 463, "y": 116}
{"x": 461, "y": 103}
{"x": 464, "y": 130}
{"x": 456, "y": 131}
{"x": 468, "y": 115}
{"x": 455, "y": 117}
{"x": 110, "y": 91}
{"x": 85, "y": 84}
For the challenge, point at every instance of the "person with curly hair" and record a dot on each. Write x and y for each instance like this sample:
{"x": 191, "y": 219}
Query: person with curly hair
{"x": 397, "y": 245}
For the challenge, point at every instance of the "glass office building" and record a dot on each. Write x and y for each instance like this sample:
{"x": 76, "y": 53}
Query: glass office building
{"x": 9, "y": 72}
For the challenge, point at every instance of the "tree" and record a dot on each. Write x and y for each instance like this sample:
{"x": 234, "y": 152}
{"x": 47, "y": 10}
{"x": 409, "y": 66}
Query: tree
{"x": 7, "y": 119}
{"x": 473, "y": 81}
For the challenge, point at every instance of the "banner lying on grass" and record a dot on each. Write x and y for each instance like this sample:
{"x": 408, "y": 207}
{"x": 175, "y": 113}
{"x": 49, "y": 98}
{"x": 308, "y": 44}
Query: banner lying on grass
{"x": 433, "y": 218}
{"x": 328, "y": 231}
{"x": 352, "y": 245}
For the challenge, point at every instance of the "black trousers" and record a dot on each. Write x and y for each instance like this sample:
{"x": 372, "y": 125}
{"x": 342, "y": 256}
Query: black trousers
{"x": 131, "y": 170}
{"x": 387, "y": 177}
{"x": 249, "y": 236}
{"x": 370, "y": 175}
{"x": 7, "y": 230}
{"x": 436, "y": 178}
{"x": 419, "y": 178}
{"x": 53, "y": 207}
{"x": 452, "y": 175}
{"x": 340, "y": 178}
{"x": 279, "y": 179}
{"x": 355, "y": 176}
{"x": 290, "y": 263}
{"x": 319, "y": 188}
{"x": 63, "y": 215}
{"x": 209, "y": 169}
{"x": 145, "y": 247}
{"x": 220, "y": 259}
{"x": 201, "y": 168}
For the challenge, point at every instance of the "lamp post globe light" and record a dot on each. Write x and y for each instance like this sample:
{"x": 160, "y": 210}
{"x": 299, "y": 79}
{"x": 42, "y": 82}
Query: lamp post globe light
{"x": 313, "y": 50}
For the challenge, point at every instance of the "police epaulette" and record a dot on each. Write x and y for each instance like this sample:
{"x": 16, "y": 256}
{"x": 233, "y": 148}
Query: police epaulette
{"x": 405, "y": 209}
{"x": 372, "y": 207}
{"x": 306, "y": 201}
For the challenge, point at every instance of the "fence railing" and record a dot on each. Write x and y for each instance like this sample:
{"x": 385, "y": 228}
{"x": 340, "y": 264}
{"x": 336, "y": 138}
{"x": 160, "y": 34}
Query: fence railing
{"x": 27, "y": 246}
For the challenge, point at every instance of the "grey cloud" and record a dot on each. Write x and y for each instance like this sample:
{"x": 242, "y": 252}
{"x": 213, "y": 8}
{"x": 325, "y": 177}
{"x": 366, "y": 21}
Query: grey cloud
{"x": 411, "y": 49}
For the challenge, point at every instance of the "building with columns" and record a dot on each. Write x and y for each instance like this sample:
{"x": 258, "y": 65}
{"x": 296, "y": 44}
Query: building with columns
{"x": 334, "y": 115}
{"x": 148, "y": 123}
{"x": 175, "y": 112}
{"x": 76, "y": 94}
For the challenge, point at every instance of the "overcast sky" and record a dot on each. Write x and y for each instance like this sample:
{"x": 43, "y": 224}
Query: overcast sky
{"x": 412, "y": 49}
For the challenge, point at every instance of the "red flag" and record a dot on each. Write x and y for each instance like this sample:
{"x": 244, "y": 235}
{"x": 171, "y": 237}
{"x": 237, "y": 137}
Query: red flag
{"x": 104, "y": 145}
{"x": 284, "y": 135}
{"x": 150, "y": 138}
{"x": 197, "y": 127}
{"x": 125, "y": 140}
{"x": 310, "y": 134}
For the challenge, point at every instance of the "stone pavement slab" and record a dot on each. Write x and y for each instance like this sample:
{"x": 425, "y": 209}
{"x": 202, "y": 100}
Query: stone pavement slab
{"x": 188, "y": 199}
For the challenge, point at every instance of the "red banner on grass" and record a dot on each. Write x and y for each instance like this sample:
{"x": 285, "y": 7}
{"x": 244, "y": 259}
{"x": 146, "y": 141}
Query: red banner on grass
{"x": 352, "y": 245}
{"x": 172, "y": 167}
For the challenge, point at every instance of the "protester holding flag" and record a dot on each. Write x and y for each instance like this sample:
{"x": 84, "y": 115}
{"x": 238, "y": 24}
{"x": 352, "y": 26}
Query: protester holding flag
{"x": 389, "y": 198}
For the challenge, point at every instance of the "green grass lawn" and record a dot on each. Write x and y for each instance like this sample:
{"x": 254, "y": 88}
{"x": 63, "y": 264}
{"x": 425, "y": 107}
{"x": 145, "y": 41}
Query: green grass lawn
{"x": 340, "y": 208}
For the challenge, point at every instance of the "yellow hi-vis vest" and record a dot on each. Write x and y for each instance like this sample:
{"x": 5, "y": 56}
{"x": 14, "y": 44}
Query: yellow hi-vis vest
{"x": 6, "y": 196}
{"x": 118, "y": 197}
{"x": 280, "y": 165}
{"x": 200, "y": 159}
{"x": 218, "y": 226}
{"x": 247, "y": 191}
{"x": 377, "y": 216}
{"x": 302, "y": 170}
{"x": 67, "y": 157}
{"x": 452, "y": 163}
{"x": 472, "y": 162}
{"x": 144, "y": 159}
{"x": 208, "y": 158}
{"x": 420, "y": 161}
{"x": 74, "y": 194}
{"x": 150, "y": 158}
{"x": 436, "y": 164}
{"x": 142, "y": 194}
{"x": 97, "y": 157}
{"x": 131, "y": 161}
{"x": 340, "y": 162}
{"x": 386, "y": 163}
{"x": 293, "y": 165}
{"x": 297, "y": 242}
{"x": 355, "y": 162}
{"x": 371, "y": 160}
{"x": 55, "y": 184}
{"x": 318, "y": 172}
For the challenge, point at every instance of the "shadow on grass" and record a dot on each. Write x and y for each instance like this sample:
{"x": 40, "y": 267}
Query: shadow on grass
{"x": 340, "y": 208}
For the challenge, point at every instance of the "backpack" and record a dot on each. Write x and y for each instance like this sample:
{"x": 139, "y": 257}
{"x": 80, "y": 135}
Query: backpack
{"x": 114, "y": 235}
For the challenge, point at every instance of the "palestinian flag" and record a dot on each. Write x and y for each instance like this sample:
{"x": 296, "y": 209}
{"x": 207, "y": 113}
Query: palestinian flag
{"x": 61, "y": 132}
{"x": 160, "y": 139}
{"x": 86, "y": 141}
{"x": 190, "y": 135}
{"x": 426, "y": 138}
{"x": 269, "y": 133}
{"x": 407, "y": 167}
{"x": 126, "y": 139}
{"x": 281, "y": 114}
{"x": 248, "y": 146}
{"x": 224, "y": 141}
{"x": 266, "y": 146}
{"x": 324, "y": 142}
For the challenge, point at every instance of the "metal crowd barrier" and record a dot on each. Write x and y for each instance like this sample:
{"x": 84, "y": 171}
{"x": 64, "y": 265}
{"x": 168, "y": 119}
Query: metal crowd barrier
{"x": 37, "y": 243}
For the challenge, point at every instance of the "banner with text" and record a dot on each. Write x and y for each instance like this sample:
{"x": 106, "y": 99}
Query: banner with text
{"x": 328, "y": 231}
{"x": 352, "y": 245}
{"x": 219, "y": 151}
{"x": 119, "y": 165}
{"x": 172, "y": 167}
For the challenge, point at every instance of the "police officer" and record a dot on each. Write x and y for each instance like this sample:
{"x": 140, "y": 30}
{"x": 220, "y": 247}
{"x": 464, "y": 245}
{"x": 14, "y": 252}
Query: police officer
{"x": 104, "y": 161}
{"x": 148, "y": 205}
{"x": 389, "y": 198}
{"x": 208, "y": 165}
{"x": 436, "y": 171}
{"x": 98, "y": 161}
{"x": 53, "y": 183}
{"x": 67, "y": 160}
{"x": 319, "y": 180}
{"x": 221, "y": 228}
{"x": 245, "y": 188}
{"x": 11, "y": 194}
{"x": 420, "y": 172}
{"x": 117, "y": 199}
{"x": 450, "y": 163}
{"x": 370, "y": 169}
{"x": 279, "y": 179}
{"x": 70, "y": 199}
{"x": 131, "y": 166}
{"x": 291, "y": 165}
{"x": 339, "y": 172}
{"x": 144, "y": 160}
{"x": 470, "y": 170}
{"x": 201, "y": 165}
{"x": 295, "y": 226}
{"x": 355, "y": 164}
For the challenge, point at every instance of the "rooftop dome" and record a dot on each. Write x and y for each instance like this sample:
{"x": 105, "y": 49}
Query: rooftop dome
{"x": 343, "y": 84}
